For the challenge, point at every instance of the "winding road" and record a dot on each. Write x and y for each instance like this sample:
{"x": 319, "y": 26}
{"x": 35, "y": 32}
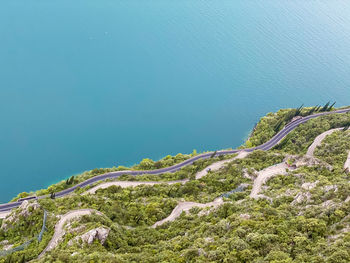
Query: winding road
{"x": 264, "y": 176}
{"x": 266, "y": 146}
{"x": 123, "y": 184}
{"x": 318, "y": 141}
{"x": 185, "y": 207}
{"x": 59, "y": 227}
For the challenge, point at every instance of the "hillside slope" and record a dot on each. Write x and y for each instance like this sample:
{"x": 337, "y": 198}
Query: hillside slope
{"x": 275, "y": 206}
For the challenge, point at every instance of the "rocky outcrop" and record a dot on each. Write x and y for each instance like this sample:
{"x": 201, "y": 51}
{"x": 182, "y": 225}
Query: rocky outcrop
{"x": 328, "y": 204}
{"x": 244, "y": 216}
{"x": 301, "y": 197}
{"x": 59, "y": 227}
{"x": 24, "y": 210}
{"x": 4, "y": 214}
{"x": 100, "y": 234}
{"x": 309, "y": 186}
{"x": 328, "y": 188}
{"x": 6, "y": 245}
{"x": 310, "y": 161}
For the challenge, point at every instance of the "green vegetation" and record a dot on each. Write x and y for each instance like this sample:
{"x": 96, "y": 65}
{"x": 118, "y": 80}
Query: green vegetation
{"x": 149, "y": 164}
{"x": 145, "y": 164}
{"x": 304, "y": 217}
{"x": 334, "y": 149}
{"x": 25, "y": 227}
{"x": 301, "y": 138}
{"x": 272, "y": 123}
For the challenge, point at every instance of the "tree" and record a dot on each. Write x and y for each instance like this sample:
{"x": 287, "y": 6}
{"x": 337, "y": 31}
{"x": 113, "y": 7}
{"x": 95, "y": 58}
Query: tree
{"x": 330, "y": 107}
{"x": 339, "y": 256}
{"x": 249, "y": 144}
{"x": 325, "y": 107}
{"x": 146, "y": 164}
{"x": 70, "y": 180}
{"x": 298, "y": 111}
{"x": 158, "y": 165}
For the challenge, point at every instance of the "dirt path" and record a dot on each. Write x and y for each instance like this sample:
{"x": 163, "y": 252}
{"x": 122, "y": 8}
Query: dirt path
{"x": 4, "y": 214}
{"x": 264, "y": 176}
{"x": 185, "y": 207}
{"x": 347, "y": 163}
{"x": 218, "y": 165}
{"x": 182, "y": 206}
{"x": 59, "y": 231}
{"x": 213, "y": 167}
{"x": 125, "y": 184}
{"x": 318, "y": 140}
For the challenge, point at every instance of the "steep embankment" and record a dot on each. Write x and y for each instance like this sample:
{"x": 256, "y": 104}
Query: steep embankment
{"x": 125, "y": 184}
{"x": 4, "y": 214}
{"x": 218, "y": 165}
{"x": 264, "y": 176}
{"x": 213, "y": 167}
{"x": 185, "y": 207}
{"x": 59, "y": 227}
{"x": 318, "y": 140}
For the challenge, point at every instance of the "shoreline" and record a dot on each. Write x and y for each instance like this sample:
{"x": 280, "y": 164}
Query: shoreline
{"x": 265, "y": 146}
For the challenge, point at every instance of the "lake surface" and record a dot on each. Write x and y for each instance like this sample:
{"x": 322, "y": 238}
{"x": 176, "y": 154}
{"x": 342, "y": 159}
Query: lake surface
{"x": 86, "y": 84}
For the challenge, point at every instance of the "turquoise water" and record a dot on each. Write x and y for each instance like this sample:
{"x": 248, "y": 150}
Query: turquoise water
{"x": 86, "y": 84}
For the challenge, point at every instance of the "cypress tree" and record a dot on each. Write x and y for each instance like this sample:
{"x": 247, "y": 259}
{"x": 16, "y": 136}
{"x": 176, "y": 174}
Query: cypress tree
{"x": 298, "y": 111}
{"x": 330, "y": 107}
{"x": 278, "y": 126}
{"x": 71, "y": 180}
{"x": 325, "y": 107}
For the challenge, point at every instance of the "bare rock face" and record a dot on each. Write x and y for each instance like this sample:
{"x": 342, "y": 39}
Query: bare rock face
{"x": 309, "y": 186}
{"x": 328, "y": 204}
{"x": 25, "y": 210}
{"x": 331, "y": 187}
{"x": 4, "y": 242}
{"x": 244, "y": 216}
{"x": 300, "y": 161}
{"x": 249, "y": 174}
{"x": 6, "y": 245}
{"x": 301, "y": 197}
{"x": 100, "y": 233}
{"x": 208, "y": 239}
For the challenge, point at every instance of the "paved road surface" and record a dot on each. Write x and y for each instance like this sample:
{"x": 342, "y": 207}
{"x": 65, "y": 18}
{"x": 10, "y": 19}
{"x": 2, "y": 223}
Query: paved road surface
{"x": 266, "y": 146}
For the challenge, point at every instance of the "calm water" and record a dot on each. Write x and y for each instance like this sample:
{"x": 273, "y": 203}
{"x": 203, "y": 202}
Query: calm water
{"x": 86, "y": 84}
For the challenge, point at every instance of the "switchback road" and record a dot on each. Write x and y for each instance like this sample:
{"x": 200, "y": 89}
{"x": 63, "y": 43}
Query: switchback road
{"x": 266, "y": 146}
